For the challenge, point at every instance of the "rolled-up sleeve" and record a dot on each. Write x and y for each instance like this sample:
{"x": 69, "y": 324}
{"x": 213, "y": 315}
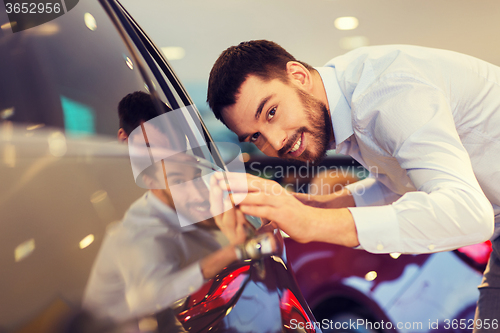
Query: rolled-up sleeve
{"x": 410, "y": 121}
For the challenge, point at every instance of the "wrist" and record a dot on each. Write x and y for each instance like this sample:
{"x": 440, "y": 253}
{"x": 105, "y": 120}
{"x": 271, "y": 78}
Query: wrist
{"x": 334, "y": 225}
{"x": 341, "y": 199}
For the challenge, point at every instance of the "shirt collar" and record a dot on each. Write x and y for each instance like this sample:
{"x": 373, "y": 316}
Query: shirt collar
{"x": 171, "y": 215}
{"x": 340, "y": 110}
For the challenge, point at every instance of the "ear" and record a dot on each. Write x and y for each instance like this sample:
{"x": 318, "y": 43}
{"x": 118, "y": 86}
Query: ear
{"x": 152, "y": 183}
{"x": 122, "y": 136}
{"x": 299, "y": 75}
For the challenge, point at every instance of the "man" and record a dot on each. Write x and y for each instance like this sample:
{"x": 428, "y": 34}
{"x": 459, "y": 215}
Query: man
{"x": 424, "y": 122}
{"x": 148, "y": 261}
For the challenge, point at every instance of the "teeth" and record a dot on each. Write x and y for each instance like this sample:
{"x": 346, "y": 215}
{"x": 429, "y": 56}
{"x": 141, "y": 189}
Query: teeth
{"x": 296, "y": 146}
{"x": 200, "y": 208}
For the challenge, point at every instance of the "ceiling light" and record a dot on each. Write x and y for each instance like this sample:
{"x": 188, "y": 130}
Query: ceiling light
{"x": 98, "y": 196}
{"x": 346, "y": 23}
{"x": 34, "y": 127}
{"x": 7, "y": 113}
{"x": 395, "y": 255}
{"x": 86, "y": 241}
{"x": 370, "y": 276}
{"x": 129, "y": 63}
{"x": 57, "y": 144}
{"x": 5, "y": 26}
{"x": 24, "y": 249}
{"x": 173, "y": 52}
{"x": 90, "y": 21}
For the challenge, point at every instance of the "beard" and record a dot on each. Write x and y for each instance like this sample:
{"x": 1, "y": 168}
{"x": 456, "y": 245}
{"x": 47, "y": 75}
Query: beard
{"x": 320, "y": 130}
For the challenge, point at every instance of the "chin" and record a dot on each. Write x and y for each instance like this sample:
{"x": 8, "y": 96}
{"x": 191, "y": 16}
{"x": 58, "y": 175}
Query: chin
{"x": 308, "y": 158}
{"x": 209, "y": 222}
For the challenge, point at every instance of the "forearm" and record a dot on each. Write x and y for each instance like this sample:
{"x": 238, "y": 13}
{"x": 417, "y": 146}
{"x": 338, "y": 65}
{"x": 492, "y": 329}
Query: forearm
{"x": 334, "y": 226}
{"x": 338, "y": 199}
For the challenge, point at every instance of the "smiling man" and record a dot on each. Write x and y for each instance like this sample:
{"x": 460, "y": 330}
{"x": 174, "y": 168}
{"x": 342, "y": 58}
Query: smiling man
{"x": 306, "y": 117}
{"x": 425, "y": 122}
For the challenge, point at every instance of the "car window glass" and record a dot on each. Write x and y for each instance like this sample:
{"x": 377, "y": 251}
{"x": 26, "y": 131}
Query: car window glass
{"x": 67, "y": 182}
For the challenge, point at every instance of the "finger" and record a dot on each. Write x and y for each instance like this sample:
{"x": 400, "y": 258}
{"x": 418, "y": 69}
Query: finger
{"x": 240, "y": 217}
{"x": 240, "y": 182}
{"x": 237, "y": 197}
{"x": 241, "y": 233}
{"x": 227, "y": 204}
{"x": 259, "y": 211}
{"x": 261, "y": 199}
{"x": 233, "y": 181}
{"x": 216, "y": 204}
{"x": 242, "y": 220}
{"x": 229, "y": 221}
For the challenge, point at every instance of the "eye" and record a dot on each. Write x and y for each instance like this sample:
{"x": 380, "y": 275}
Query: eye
{"x": 176, "y": 181}
{"x": 254, "y": 137}
{"x": 271, "y": 113}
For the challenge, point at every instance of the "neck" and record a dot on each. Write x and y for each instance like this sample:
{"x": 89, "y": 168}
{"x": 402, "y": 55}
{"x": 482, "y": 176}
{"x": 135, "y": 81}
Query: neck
{"x": 163, "y": 197}
{"x": 318, "y": 89}
{"x": 319, "y": 92}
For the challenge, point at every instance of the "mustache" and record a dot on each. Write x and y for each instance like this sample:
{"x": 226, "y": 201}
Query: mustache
{"x": 291, "y": 141}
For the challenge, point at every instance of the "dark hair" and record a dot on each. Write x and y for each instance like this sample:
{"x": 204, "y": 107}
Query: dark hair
{"x": 137, "y": 107}
{"x": 262, "y": 58}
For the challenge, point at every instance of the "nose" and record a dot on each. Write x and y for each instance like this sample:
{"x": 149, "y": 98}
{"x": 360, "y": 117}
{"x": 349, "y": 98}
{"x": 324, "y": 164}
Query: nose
{"x": 198, "y": 191}
{"x": 275, "y": 139}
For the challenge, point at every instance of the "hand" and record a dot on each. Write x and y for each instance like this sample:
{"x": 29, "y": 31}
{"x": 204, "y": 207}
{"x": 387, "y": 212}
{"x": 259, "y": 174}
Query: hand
{"x": 231, "y": 221}
{"x": 338, "y": 199}
{"x": 286, "y": 212}
{"x": 267, "y": 199}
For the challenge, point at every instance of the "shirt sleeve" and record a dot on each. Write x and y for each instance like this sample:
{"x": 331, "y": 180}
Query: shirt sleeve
{"x": 155, "y": 276}
{"x": 371, "y": 192}
{"x": 409, "y": 120}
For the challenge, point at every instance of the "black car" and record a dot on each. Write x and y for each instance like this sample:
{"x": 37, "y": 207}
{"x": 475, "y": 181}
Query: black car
{"x": 65, "y": 180}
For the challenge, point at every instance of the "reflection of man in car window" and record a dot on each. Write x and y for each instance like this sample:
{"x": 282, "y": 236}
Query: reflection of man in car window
{"x": 148, "y": 261}
{"x": 135, "y": 109}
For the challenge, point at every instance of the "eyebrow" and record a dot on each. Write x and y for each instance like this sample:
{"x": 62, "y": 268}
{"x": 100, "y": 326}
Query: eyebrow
{"x": 241, "y": 138}
{"x": 173, "y": 174}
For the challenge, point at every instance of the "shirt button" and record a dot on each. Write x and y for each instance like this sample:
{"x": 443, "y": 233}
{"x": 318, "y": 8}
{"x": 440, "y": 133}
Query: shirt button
{"x": 380, "y": 247}
{"x": 431, "y": 247}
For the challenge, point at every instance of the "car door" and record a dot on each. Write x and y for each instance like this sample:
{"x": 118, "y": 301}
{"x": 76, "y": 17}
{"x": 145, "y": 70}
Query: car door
{"x": 67, "y": 182}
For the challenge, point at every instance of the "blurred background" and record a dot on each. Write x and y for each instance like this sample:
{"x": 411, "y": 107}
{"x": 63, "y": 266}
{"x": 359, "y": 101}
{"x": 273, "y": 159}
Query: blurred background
{"x": 192, "y": 33}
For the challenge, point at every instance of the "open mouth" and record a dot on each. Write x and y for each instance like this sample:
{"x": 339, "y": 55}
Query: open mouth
{"x": 298, "y": 147}
{"x": 201, "y": 208}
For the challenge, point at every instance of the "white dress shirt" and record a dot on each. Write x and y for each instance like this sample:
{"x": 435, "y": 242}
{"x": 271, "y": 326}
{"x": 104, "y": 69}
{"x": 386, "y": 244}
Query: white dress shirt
{"x": 426, "y": 124}
{"x": 146, "y": 262}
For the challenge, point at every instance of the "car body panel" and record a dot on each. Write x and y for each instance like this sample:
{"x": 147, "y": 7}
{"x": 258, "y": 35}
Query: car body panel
{"x": 65, "y": 178}
{"x": 406, "y": 289}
